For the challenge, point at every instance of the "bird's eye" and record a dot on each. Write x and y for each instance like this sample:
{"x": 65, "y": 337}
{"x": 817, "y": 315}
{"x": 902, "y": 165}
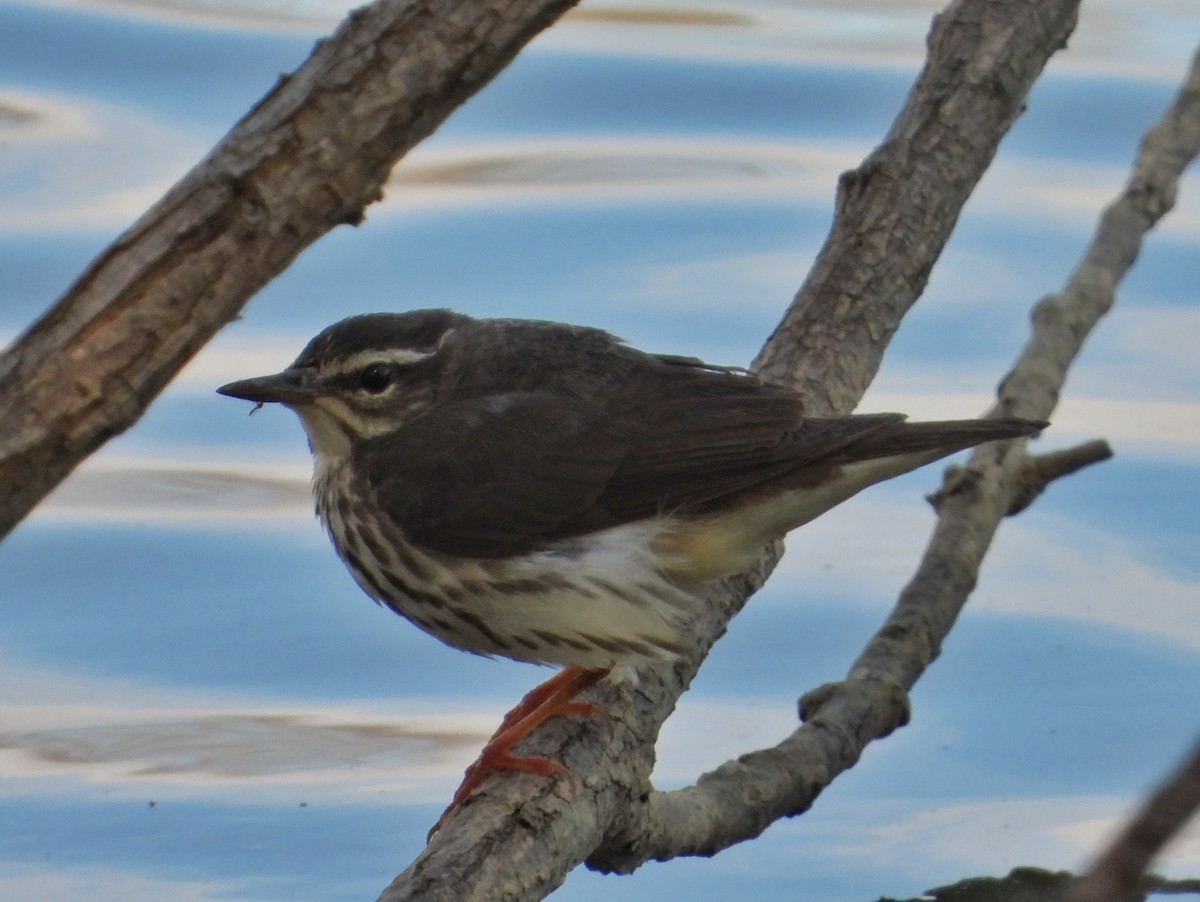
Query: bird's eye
{"x": 377, "y": 377}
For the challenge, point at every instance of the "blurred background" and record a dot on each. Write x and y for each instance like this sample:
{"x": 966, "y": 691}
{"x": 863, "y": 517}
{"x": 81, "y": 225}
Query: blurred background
{"x": 196, "y": 701}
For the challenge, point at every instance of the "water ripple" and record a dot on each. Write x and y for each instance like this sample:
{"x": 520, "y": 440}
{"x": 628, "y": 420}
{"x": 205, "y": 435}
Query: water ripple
{"x": 185, "y": 494}
{"x": 605, "y": 171}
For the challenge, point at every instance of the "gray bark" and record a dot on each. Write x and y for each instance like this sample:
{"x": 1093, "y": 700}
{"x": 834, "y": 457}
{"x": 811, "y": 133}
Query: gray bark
{"x": 1119, "y": 873}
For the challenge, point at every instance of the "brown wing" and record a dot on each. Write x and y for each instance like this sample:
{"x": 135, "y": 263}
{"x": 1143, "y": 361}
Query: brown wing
{"x": 711, "y": 435}
{"x": 491, "y": 477}
{"x": 712, "y": 449}
{"x": 505, "y": 474}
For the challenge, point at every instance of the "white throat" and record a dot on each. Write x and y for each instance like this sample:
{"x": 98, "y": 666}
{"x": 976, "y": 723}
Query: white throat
{"x": 326, "y": 435}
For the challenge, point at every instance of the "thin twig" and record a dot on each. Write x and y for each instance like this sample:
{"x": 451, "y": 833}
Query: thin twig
{"x": 1035, "y": 473}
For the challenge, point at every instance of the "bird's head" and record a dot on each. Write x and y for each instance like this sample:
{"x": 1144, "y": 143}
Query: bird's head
{"x": 362, "y": 377}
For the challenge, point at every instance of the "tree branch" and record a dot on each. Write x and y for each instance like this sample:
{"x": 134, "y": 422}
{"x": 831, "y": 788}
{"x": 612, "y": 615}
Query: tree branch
{"x": 896, "y": 211}
{"x": 311, "y": 155}
{"x": 738, "y": 799}
{"x": 1119, "y": 872}
{"x": 1034, "y": 475}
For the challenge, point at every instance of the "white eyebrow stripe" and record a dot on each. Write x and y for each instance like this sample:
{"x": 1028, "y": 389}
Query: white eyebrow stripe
{"x": 396, "y": 356}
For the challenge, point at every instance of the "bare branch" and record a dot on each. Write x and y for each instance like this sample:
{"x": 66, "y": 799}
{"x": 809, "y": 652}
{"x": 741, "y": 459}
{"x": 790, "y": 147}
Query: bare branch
{"x": 896, "y": 211}
{"x": 1035, "y": 473}
{"x": 313, "y": 154}
{"x": 736, "y": 801}
{"x": 1063, "y": 321}
{"x": 1118, "y": 874}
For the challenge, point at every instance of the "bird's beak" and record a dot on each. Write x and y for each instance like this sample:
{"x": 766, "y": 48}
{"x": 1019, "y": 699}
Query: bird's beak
{"x": 295, "y": 386}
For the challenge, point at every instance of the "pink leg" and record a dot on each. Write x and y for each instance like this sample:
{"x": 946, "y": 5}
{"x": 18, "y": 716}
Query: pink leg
{"x": 553, "y": 698}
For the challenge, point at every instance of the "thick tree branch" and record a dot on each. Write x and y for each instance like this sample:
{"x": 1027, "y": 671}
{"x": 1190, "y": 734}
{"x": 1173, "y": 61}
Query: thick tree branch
{"x": 313, "y": 153}
{"x": 737, "y": 800}
{"x": 896, "y": 211}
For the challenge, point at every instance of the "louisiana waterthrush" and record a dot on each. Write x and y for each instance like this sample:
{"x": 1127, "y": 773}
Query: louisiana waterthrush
{"x": 547, "y": 493}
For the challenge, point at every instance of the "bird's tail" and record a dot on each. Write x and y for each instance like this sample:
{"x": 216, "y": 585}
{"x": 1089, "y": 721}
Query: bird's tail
{"x": 891, "y": 448}
{"x": 860, "y": 451}
{"x": 937, "y": 438}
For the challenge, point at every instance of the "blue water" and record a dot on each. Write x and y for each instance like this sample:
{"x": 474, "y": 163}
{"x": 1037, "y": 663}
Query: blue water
{"x": 199, "y": 76}
{"x": 675, "y": 196}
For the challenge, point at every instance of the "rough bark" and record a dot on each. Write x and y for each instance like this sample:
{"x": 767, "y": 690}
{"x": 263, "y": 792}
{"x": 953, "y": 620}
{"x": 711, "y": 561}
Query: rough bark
{"x": 896, "y": 210}
{"x": 311, "y": 155}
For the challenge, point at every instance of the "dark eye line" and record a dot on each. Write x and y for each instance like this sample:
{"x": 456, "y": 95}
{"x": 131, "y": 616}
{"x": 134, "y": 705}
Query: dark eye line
{"x": 376, "y": 377}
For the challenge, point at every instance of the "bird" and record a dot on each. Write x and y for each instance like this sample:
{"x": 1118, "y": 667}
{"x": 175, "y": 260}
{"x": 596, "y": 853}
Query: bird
{"x": 548, "y": 493}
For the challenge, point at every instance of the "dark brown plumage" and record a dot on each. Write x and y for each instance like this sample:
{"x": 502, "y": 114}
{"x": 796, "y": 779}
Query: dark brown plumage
{"x": 547, "y": 493}
{"x": 481, "y": 466}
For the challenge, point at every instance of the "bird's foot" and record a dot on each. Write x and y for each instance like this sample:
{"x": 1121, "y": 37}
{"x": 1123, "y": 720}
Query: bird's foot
{"x": 553, "y": 698}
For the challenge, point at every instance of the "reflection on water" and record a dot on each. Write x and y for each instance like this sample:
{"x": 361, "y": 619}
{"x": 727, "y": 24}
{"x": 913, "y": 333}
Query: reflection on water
{"x": 306, "y": 14}
{"x": 321, "y": 13}
{"x": 610, "y": 170}
{"x": 689, "y": 15}
{"x": 48, "y": 140}
{"x": 28, "y": 117}
{"x": 148, "y": 490}
{"x": 609, "y": 165}
{"x": 13, "y": 117}
{"x": 1114, "y": 35}
{"x": 223, "y": 746}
